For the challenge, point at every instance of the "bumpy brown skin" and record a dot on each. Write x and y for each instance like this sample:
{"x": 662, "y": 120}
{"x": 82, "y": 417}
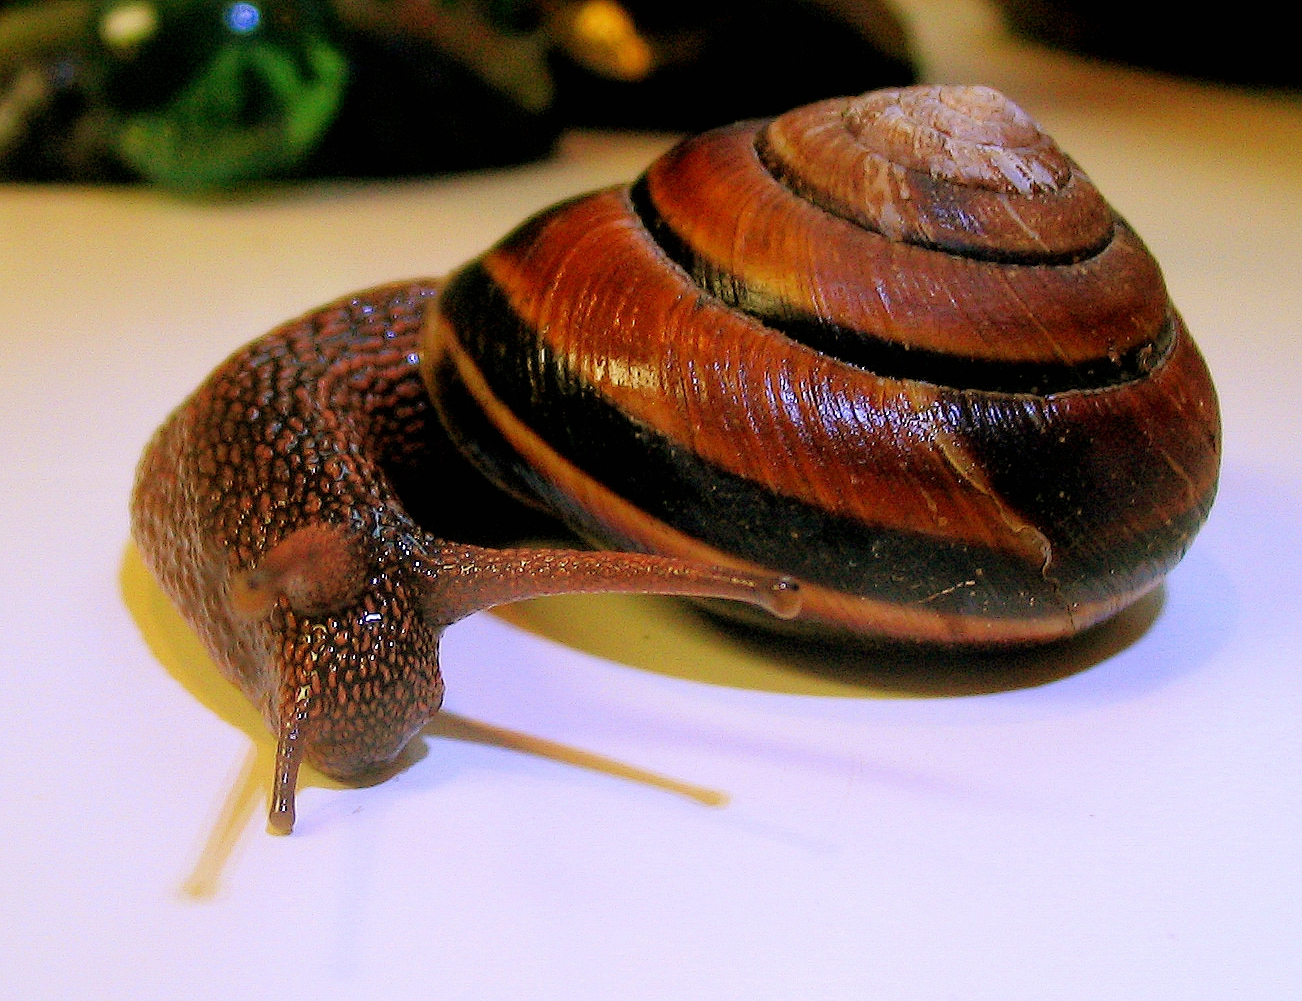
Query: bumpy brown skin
{"x": 286, "y": 441}
{"x": 266, "y": 508}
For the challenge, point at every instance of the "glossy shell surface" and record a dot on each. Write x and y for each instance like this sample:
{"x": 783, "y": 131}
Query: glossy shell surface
{"x": 896, "y": 346}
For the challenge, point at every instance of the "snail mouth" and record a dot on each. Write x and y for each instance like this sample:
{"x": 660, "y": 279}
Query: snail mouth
{"x": 890, "y": 358}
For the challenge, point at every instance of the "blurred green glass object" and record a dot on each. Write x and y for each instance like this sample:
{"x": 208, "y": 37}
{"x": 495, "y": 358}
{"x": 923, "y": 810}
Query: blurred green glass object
{"x": 255, "y": 111}
{"x": 215, "y": 94}
{"x": 189, "y": 94}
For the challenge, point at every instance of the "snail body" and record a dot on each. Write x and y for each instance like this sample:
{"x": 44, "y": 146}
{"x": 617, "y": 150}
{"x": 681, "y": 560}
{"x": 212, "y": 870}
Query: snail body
{"x": 266, "y": 508}
{"x": 780, "y": 407}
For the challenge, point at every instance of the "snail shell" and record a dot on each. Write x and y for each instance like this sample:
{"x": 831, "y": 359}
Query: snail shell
{"x": 897, "y": 347}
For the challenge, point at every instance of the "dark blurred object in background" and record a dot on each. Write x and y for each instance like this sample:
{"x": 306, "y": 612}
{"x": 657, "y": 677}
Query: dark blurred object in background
{"x": 719, "y": 61}
{"x": 1248, "y": 45}
{"x": 199, "y": 95}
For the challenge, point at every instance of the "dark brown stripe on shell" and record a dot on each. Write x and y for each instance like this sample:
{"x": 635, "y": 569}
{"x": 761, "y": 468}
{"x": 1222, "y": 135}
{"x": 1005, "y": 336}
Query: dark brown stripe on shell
{"x": 892, "y": 358}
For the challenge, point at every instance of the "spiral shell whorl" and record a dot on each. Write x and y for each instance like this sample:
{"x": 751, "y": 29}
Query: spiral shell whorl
{"x": 966, "y": 135}
{"x": 962, "y": 169}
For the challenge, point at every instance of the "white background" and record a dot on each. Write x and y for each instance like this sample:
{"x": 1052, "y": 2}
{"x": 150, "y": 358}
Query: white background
{"x": 1119, "y": 820}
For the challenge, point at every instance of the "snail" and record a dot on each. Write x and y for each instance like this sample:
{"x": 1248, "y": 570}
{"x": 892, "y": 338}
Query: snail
{"x": 884, "y": 366}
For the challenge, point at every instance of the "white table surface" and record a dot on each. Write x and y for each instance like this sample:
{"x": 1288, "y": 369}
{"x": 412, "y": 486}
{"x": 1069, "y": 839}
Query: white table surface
{"x": 1117, "y": 821}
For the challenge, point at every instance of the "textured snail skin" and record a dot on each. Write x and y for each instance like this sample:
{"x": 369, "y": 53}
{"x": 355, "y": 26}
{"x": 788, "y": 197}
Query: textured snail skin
{"x": 266, "y": 508}
{"x": 897, "y": 346}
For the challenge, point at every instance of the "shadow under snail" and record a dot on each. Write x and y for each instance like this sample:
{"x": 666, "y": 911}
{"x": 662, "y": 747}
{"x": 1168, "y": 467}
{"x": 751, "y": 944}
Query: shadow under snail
{"x": 887, "y": 366}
